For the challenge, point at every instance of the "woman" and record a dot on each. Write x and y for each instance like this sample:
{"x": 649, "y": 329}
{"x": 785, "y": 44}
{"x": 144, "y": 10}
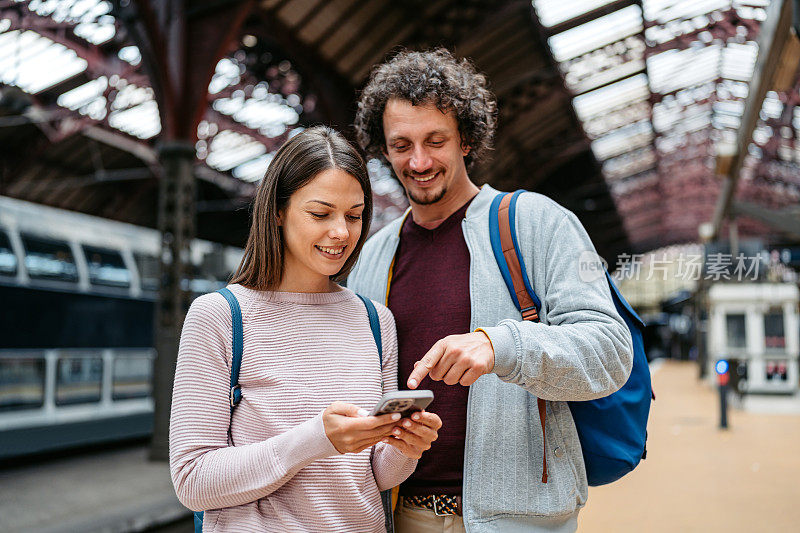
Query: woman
{"x": 299, "y": 452}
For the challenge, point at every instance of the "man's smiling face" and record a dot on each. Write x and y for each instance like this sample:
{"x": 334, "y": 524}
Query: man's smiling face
{"x": 424, "y": 147}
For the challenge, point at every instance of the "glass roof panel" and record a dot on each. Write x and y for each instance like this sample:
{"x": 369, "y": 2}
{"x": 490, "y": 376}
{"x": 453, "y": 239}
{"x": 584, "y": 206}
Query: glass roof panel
{"x": 597, "y": 33}
{"x": 266, "y": 113}
{"x": 739, "y": 60}
{"x": 87, "y": 99}
{"x": 663, "y": 11}
{"x": 602, "y": 124}
{"x": 667, "y": 117}
{"x": 90, "y": 17}
{"x": 629, "y": 163}
{"x": 660, "y": 34}
{"x": 623, "y": 140}
{"x": 639, "y": 182}
{"x": 33, "y": 63}
{"x": 226, "y": 73}
{"x": 254, "y": 169}
{"x": 140, "y": 120}
{"x": 229, "y": 149}
{"x": 552, "y": 12}
{"x": 676, "y": 69}
{"x": 620, "y": 94}
{"x": 613, "y": 70}
{"x": 130, "y": 54}
{"x": 722, "y": 121}
{"x": 772, "y": 107}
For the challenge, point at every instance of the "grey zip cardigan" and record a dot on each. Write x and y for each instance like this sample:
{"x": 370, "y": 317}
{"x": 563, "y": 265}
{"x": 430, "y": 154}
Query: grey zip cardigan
{"x": 581, "y": 350}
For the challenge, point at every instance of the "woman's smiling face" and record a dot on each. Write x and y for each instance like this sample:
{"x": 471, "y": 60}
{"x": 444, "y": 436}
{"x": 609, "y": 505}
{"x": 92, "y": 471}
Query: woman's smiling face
{"x": 321, "y": 225}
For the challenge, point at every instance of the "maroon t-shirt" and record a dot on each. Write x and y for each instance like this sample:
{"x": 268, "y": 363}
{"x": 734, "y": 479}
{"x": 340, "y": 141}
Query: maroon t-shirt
{"x": 429, "y": 297}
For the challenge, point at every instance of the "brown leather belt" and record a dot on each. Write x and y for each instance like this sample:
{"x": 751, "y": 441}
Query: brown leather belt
{"x": 441, "y": 505}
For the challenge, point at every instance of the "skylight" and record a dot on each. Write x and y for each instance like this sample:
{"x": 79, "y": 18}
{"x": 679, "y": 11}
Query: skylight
{"x": 87, "y": 99}
{"x": 34, "y": 63}
{"x": 596, "y": 34}
{"x": 552, "y": 12}
{"x": 612, "y": 97}
{"x": 267, "y": 113}
{"x": 229, "y": 149}
{"x": 91, "y": 17}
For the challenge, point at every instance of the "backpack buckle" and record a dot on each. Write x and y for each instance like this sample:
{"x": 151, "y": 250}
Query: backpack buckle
{"x": 530, "y": 313}
{"x": 236, "y": 395}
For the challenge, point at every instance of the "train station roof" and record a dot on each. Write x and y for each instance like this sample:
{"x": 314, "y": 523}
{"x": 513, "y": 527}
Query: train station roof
{"x": 618, "y": 109}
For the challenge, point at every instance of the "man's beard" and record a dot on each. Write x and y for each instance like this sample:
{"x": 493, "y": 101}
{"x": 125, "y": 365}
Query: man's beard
{"x": 431, "y": 197}
{"x": 428, "y": 200}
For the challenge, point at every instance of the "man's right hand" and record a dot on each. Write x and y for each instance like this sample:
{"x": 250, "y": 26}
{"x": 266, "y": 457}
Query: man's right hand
{"x": 350, "y": 431}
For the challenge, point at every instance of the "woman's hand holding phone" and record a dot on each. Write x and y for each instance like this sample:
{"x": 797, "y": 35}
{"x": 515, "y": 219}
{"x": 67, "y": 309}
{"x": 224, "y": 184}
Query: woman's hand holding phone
{"x": 350, "y": 430}
{"x": 414, "y": 436}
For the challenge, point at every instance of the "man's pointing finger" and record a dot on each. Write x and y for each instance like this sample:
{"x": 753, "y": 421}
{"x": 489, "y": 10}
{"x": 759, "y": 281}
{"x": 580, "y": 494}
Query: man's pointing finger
{"x": 427, "y": 362}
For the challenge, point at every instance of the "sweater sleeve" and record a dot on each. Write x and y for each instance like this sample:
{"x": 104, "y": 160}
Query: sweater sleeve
{"x": 585, "y": 350}
{"x": 389, "y": 466}
{"x": 207, "y": 472}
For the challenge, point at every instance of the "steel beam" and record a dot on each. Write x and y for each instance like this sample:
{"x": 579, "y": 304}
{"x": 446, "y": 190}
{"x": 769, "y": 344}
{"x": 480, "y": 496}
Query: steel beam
{"x": 775, "y": 31}
{"x": 784, "y": 221}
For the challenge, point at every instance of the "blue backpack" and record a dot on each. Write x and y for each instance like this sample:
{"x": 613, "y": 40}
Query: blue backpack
{"x": 236, "y": 391}
{"x": 613, "y": 429}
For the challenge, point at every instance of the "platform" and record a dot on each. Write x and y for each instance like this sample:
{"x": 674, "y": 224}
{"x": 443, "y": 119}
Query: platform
{"x": 117, "y": 491}
{"x": 698, "y": 477}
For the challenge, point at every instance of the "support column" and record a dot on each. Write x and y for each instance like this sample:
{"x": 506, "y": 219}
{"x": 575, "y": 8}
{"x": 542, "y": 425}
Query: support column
{"x": 176, "y": 221}
{"x": 700, "y": 305}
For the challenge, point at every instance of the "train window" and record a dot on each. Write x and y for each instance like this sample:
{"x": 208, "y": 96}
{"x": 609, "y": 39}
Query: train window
{"x": 78, "y": 380}
{"x": 21, "y": 382}
{"x": 148, "y": 271}
{"x": 735, "y": 329}
{"x": 8, "y": 260}
{"x": 133, "y": 376}
{"x": 774, "y": 338}
{"x": 106, "y": 267}
{"x": 48, "y": 259}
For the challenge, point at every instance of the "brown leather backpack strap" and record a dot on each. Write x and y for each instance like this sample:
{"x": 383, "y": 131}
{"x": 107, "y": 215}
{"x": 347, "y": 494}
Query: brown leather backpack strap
{"x": 527, "y": 306}
{"x": 529, "y": 311}
{"x": 542, "y": 414}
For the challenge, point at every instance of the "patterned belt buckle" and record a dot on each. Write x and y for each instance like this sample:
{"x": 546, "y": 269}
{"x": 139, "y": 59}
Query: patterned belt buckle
{"x": 435, "y": 508}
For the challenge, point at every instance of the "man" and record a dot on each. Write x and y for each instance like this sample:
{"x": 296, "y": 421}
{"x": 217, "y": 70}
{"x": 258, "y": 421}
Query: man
{"x": 431, "y": 117}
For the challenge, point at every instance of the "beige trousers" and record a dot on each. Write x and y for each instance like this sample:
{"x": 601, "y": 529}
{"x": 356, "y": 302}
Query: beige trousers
{"x": 419, "y": 520}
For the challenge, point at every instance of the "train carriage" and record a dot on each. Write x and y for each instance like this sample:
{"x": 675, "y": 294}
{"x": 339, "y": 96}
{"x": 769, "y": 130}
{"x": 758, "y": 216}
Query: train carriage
{"x": 78, "y": 299}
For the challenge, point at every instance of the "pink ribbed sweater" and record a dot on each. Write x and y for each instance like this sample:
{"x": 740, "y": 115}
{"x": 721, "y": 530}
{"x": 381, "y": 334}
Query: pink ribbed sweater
{"x": 302, "y": 351}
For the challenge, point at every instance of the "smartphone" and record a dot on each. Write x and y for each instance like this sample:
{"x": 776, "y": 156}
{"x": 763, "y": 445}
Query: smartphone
{"x": 404, "y": 402}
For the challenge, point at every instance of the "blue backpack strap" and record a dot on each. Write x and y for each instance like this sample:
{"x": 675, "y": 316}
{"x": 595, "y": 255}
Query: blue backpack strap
{"x": 512, "y": 216}
{"x": 237, "y": 345}
{"x": 497, "y": 249}
{"x": 374, "y": 325}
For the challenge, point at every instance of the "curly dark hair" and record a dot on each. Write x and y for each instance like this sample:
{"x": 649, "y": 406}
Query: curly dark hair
{"x": 429, "y": 77}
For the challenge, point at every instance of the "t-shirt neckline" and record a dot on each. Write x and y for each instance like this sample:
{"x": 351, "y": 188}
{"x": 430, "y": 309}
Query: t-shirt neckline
{"x": 447, "y": 224}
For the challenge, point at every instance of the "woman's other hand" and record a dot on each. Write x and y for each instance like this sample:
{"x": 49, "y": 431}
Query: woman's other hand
{"x": 350, "y": 430}
{"x": 414, "y": 436}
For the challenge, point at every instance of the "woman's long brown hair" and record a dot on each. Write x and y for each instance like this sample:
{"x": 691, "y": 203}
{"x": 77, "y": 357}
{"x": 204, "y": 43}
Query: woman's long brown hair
{"x": 298, "y": 162}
